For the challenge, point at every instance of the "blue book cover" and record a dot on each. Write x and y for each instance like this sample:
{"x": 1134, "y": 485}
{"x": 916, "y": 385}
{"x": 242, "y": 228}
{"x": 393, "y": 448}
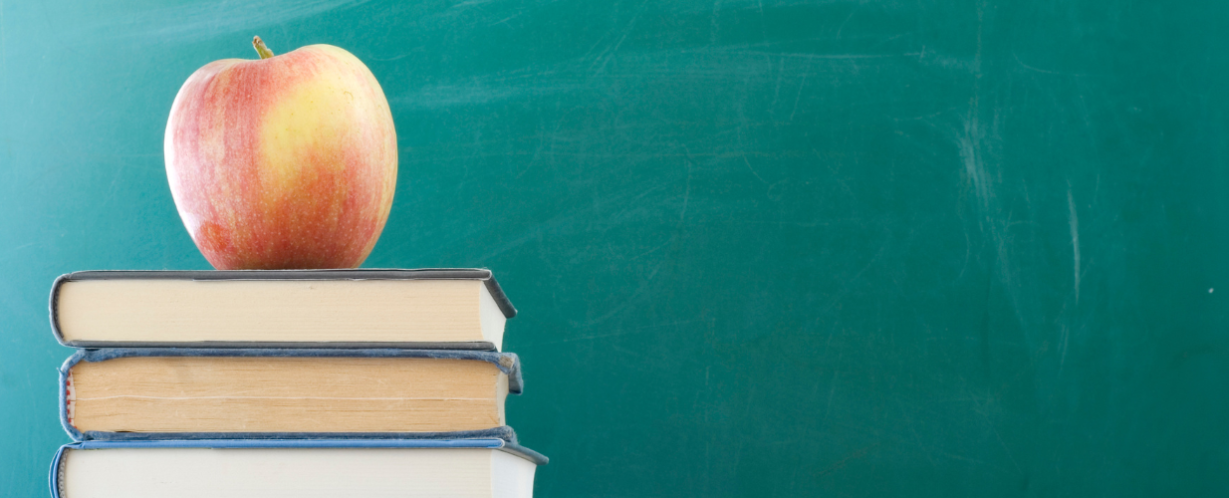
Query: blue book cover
{"x": 508, "y": 363}
{"x": 405, "y": 443}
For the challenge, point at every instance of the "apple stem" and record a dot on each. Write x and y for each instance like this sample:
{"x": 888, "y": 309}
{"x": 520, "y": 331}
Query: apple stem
{"x": 261, "y": 49}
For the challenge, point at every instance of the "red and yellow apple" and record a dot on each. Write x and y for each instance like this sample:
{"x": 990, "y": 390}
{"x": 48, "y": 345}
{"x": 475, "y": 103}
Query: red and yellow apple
{"x": 288, "y": 161}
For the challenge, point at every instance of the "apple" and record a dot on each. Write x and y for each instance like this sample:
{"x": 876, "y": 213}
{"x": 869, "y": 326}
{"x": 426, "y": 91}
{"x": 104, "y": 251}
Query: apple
{"x": 286, "y": 162}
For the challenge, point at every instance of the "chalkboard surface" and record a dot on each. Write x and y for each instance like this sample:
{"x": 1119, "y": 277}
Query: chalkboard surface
{"x": 760, "y": 248}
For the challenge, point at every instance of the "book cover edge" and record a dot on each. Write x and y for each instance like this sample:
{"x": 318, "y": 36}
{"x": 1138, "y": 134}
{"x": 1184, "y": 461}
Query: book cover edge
{"x": 54, "y": 477}
{"x": 409, "y": 443}
{"x": 53, "y": 308}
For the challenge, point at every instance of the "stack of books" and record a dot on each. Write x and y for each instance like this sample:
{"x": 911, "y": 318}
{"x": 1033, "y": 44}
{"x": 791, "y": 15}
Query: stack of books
{"x": 262, "y": 384}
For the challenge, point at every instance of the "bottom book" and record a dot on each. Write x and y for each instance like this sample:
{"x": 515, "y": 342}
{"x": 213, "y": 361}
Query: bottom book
{"x": 244, "y": 468}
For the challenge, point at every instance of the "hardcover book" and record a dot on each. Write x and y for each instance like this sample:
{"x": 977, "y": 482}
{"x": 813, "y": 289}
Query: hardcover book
{"x": 417, "y": 309}
{"x": 185, "y": 393}
{"x": 478, "y": 468}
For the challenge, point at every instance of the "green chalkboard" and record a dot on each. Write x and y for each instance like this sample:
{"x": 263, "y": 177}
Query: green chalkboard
{"x": 760, "y": 248}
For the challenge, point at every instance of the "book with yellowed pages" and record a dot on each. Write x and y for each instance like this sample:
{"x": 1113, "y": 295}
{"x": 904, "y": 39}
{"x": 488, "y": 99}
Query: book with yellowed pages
{"x": 187, "y": 393}
{"x": 474, "y": 468}
{"x": 418, "y": 309}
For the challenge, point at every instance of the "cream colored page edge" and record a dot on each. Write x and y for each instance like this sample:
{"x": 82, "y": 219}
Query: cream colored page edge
{"x": 118, "y": 395}
{"x": 276, "y": 311}
{"x": 263, "y": 473}
{"x": 492, "y": 318}
{"x": 511, "y": 476}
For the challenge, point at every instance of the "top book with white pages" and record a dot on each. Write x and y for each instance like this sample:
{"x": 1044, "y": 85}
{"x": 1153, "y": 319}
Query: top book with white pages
{"x": 417, "y": 309}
